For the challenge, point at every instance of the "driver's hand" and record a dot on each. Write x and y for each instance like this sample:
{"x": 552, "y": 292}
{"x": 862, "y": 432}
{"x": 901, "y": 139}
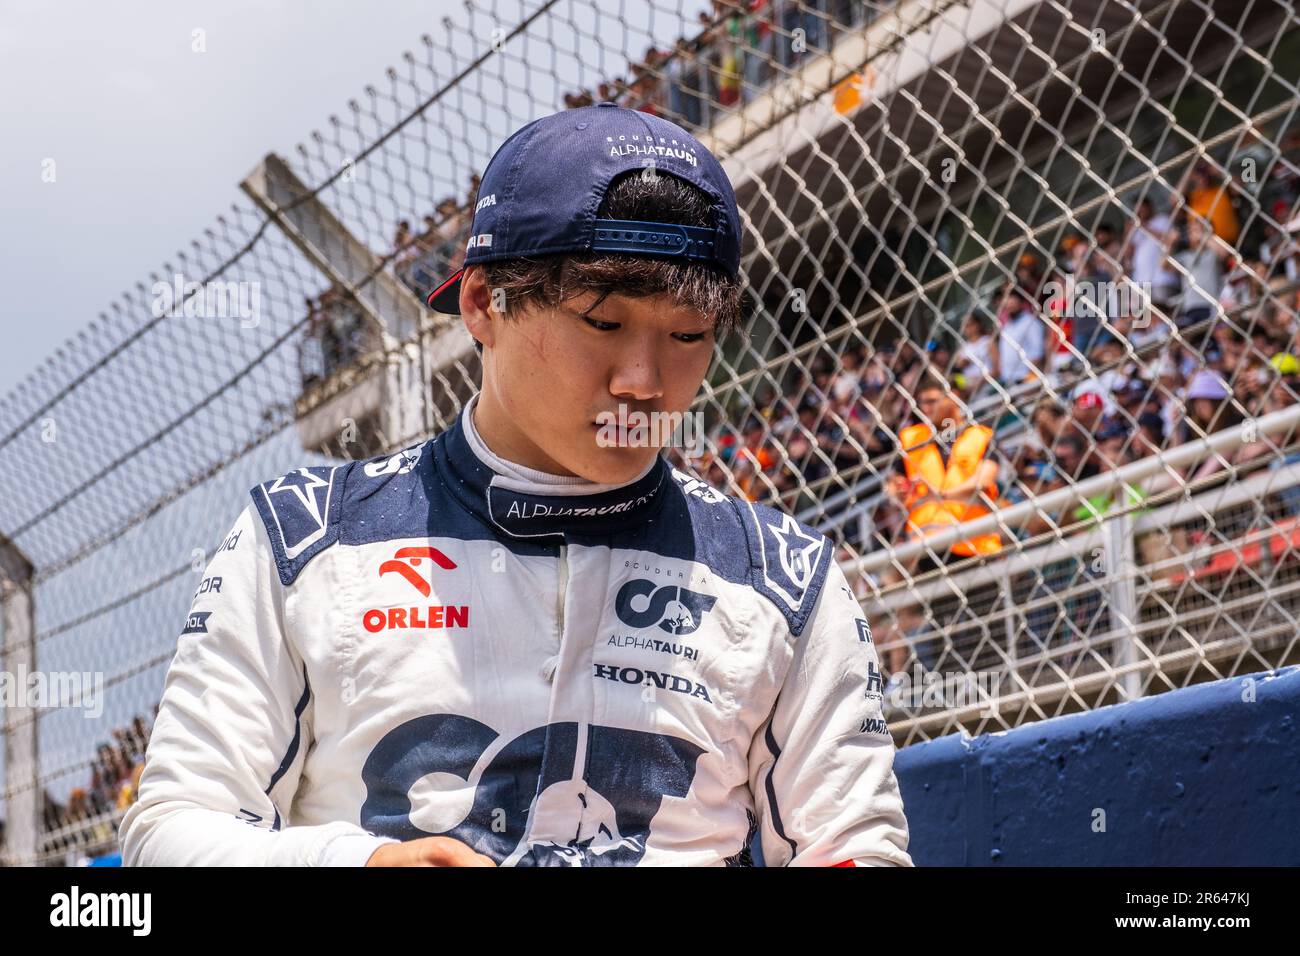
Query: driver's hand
{"x": 428, "y": 851}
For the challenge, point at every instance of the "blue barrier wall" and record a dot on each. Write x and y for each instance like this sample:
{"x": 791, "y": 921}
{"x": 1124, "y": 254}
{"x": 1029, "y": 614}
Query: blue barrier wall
{"x": 1198, "y": 776}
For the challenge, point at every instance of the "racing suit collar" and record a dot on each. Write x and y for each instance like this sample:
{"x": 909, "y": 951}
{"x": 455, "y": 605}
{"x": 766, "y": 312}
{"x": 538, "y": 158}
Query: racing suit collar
{"x": 526, "y": 508}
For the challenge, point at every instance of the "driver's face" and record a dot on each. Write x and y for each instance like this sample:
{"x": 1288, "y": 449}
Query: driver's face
{"x": 550, "y": 373}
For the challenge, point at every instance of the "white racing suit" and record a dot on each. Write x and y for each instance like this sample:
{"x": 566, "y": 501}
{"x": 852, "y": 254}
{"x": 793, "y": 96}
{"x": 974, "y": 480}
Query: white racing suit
{"x": 645, "y": 674}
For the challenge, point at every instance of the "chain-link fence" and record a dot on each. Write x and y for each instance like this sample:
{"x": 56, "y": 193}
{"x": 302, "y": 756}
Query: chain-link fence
{"x": 1025, "y": 346}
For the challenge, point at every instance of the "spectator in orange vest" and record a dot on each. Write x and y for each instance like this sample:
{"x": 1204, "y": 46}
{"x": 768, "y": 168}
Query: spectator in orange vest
{"x": 946, "y": 479}
{"x": 1208, "y": 197}
{"x": 754, "y": 458}
{"x": 945, "y": 470}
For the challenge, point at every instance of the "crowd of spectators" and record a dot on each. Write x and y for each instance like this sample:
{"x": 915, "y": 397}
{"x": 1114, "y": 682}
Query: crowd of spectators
{"x": 88, "y": 820}
{"x": 422, "y": 259}
{"x": 336, "y": 333}
{"x": 1073, "y": 386}
{"x": 1074, "y": 376}
{"x": 334, "y": 338}
{"x": 740, "y": 48}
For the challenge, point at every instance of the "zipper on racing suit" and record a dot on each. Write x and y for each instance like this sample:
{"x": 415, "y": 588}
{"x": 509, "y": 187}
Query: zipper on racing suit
{"x": 549, "y": 668}
{"x": 564, "y": 586}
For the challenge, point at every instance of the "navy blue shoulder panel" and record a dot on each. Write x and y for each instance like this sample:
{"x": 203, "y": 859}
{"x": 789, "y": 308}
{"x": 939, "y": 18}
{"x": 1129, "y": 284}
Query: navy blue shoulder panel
{"x": 309, "y": 509}
{"x": 301, "y": 511}
{"x": 789, "y": 560}
{"x": 363, "y": 502}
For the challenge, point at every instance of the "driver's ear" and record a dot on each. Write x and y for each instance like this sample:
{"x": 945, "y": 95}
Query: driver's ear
{"x": 476, "y": 307}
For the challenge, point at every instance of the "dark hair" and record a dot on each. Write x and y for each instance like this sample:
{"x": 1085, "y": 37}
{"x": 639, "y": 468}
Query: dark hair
{"x": 980, "y": 316}
{"x": 549, "y": 280}
{"x": 1154, "y": 422}
{"x": 931, "y": 381}
{"x": 1071, "y": 440}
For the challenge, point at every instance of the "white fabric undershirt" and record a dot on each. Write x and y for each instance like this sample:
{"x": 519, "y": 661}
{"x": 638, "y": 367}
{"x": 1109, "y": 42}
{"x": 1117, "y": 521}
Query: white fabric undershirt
{"x": 525, "y": 478}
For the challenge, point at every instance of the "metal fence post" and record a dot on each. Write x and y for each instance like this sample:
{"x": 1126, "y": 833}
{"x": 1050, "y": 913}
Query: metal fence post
{"x": 1011, "y": 620}
{"x": 17, "y": 660}
{"x": 1121, "y": 586}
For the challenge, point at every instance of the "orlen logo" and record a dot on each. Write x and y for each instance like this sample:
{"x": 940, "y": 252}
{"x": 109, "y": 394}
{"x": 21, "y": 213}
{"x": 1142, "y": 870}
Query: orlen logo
{"x": 676, "y": 610}
{"x": 405, "y": 563}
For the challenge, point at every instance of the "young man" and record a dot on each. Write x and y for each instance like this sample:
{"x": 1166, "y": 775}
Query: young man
{"x": 518, "y": 643}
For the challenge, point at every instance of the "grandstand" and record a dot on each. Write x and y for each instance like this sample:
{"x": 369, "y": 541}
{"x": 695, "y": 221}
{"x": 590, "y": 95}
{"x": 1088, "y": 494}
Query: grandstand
{"x": 1071, "y": 224}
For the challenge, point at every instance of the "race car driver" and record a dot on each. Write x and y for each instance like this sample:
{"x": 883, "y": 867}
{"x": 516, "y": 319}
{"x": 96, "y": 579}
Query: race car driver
{"x": 530, "y": 640}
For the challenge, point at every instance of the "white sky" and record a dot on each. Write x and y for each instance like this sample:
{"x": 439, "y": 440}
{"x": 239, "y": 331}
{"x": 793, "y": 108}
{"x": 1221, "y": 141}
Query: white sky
{"x": 151, "y": 139}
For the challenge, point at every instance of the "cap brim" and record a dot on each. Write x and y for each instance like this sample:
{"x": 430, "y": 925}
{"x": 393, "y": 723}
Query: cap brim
{"x": 446, "y": 298}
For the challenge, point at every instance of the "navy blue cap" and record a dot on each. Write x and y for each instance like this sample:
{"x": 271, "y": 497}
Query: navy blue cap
{"x": 542, "y": 187}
